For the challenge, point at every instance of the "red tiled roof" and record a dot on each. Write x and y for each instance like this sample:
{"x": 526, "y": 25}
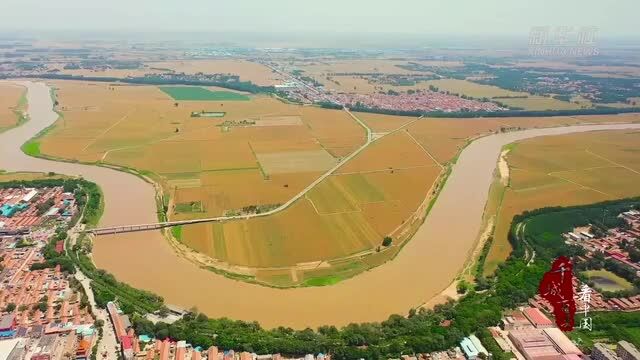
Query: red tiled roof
{"x": 537, "y": 317}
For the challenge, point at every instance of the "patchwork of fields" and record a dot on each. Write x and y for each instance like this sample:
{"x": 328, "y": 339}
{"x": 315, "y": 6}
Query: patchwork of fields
{"x": 195, "y": 158}
{"x": 565, "y": 170}
{"x": 12, "y": 103}
{"x": 246, "y": 70}
{"x": 259, "y": 155}
{"x": 346, "y": 214}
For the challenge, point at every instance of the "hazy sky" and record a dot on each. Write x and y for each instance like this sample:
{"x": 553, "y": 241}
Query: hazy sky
{"x": 461, "y": 17}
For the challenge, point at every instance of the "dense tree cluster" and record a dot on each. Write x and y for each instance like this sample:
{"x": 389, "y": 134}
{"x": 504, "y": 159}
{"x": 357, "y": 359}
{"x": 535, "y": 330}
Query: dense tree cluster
{"x": 245, "y": 86}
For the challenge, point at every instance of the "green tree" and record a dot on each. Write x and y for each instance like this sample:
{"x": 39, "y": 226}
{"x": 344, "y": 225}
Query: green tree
{"x": 386, "y": 242}
{"x": 462, "y": 287}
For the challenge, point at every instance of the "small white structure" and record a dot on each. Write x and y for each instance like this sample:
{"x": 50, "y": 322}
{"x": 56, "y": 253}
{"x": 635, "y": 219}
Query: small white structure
{"x": 574, "y": 236}
{"x": 30, "y": 195}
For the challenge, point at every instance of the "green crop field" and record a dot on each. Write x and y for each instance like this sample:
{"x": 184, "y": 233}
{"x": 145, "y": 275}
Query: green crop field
{"x": 194, "y": 93}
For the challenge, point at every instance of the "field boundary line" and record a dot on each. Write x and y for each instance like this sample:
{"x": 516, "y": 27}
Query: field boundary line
{"x": 580, "y": 185}
{"x": 610, "y": 161}
{"x": 124, "y": 117}
{"x": 384, "y": 170}
{"x": 306, "y": 196}
{"x": 425, "y": 150}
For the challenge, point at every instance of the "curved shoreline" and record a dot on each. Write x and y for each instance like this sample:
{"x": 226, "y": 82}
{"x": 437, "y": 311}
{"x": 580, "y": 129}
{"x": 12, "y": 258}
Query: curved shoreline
{"x": 148, "y": 261}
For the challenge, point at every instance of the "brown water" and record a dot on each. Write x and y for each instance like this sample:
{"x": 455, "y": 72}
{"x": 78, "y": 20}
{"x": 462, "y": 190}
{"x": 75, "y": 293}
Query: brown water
{"x": 425, "y": 266}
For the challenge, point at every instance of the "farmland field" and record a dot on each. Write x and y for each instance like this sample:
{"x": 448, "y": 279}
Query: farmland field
{"x": 348, "y": 213}
{"x": 11, "y": 104}
{"x": 472, "y": 89}
{"x": 566, "y": 170}
{"x": 246, "y": 70}
{"x": 194, "y": 93}
{"x": 139, "y": 127}
{"x": 260, "y": 155}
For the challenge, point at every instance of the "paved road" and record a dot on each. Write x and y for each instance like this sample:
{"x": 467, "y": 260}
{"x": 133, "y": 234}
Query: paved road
{"x": 108, "y": 345}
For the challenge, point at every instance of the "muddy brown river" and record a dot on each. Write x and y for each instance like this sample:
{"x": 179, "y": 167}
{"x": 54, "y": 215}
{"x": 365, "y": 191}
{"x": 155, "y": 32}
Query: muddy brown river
{"x": 426, "y": 265}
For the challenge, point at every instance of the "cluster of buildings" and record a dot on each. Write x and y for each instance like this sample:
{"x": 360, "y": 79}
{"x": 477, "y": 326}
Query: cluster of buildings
{"x": 472, "y": 347}
{"x": 24, "y": 208}
{"x": 35, "y": 346}
{"x": 165, "y": 350}
{"x": 421, "y": 100}
{"x": 530, "y": 335}
{"x": 451, "y": 354}
{"x": 610, "y": 244}
{"x": 134, "y": 346}
{"x": 42, "y": 316}
{"x": 596, "y": 302}
{"x": 623, "y": 351}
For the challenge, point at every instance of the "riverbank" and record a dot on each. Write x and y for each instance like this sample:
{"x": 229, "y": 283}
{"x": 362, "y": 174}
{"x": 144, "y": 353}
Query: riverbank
{"x": 425, "y": 266}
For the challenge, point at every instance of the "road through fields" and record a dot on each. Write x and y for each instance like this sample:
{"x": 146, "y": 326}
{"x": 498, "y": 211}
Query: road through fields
{"x": 425, "y": 266}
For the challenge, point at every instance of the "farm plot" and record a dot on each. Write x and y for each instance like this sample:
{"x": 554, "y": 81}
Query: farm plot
{"x": 395, "y": 151}
{"x": 566, "y": 170}
{"x": 139, "y": 127}
{"x": 296, "y": 161}
{"x": 384, "y": 123}
{"x": 347, "y": 213}
{"x": 335, "y": 130}
{"x": 195, "y": 93}
{"x": 246, "y": 70}
{"x": 12, "y": 103}
{"x": 444, "y": 138}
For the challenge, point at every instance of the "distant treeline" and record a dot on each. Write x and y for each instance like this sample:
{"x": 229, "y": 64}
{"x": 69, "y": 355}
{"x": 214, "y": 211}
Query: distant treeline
{"x": 245, "y": 86}
{"x": 482, "y": 114}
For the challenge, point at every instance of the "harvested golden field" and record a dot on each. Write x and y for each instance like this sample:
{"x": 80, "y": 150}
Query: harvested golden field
{"x": 224, "y": 164}
{"x": 472, "y": 89}
{"x": 395, "y": 151}
{"x": 384, "y": 123}
{"x": 296, "y": 161}
{"x": 335, "y": 130}
{"x": 261, "y": 153}
{"x": 11, "y": 104}
{"x": 566, "y": 170}
{"x": 444, "y": 138}
{"x": 296, "y": 235}
{"x": 361, "y": 84}
{"x": 347, "y": 213}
